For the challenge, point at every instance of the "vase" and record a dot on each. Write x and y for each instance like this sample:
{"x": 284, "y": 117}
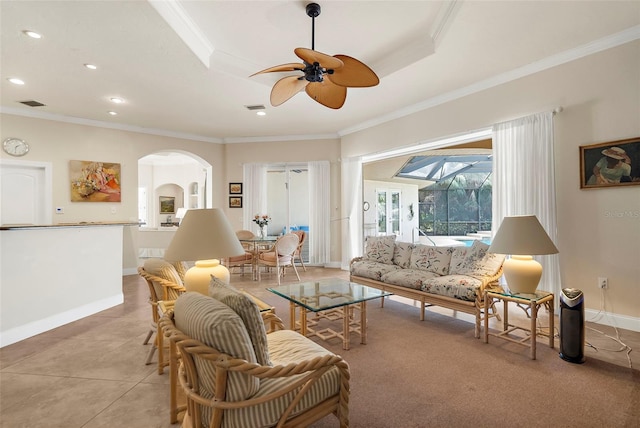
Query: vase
{"x": 263, "y": 232}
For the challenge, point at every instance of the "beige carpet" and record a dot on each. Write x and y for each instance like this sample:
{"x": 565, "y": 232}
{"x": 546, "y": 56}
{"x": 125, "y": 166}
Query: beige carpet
{"x": 434, "y": 373}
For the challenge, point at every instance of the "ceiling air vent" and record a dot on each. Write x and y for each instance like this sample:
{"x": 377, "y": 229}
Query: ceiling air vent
{"x": 255, "y": 107}
{"x": 32, "y": 103}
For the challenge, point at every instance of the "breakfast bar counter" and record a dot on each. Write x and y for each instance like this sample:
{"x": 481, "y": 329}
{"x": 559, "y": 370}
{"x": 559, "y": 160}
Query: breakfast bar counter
{"x": 51, "y": 275}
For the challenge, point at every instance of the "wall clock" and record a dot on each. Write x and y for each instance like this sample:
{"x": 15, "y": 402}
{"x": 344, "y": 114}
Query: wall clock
{"x": 15, "y": 146}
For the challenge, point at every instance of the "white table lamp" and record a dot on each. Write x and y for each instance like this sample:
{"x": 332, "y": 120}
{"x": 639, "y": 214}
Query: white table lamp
{"x": 204, "y": 236}
{"x": 522, "y": 237}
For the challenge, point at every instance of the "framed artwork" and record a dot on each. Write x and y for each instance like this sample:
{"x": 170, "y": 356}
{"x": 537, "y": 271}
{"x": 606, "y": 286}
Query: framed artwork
{"x": 610, "y": 164}
{"x": 235, "y": 201}
{"x": 167, "y": 205}
{"x": 94, "y": 181}
{"x": 235, "y": 188}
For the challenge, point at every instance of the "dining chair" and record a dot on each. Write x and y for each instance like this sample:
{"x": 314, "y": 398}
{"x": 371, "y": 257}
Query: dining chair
{"x": 280, "y": 255}
{"x": 302, "y": 236}
{"x": 249, "y": 254}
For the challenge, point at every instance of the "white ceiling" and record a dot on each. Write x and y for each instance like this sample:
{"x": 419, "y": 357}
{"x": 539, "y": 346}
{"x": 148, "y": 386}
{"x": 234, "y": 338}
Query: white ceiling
{"x": 424, "y": 51}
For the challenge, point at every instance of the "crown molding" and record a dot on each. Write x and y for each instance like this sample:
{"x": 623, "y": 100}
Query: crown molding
{"x": 108, "y": 125}
{"x": 605, "y": 43}
{"x": 279, "y": 138}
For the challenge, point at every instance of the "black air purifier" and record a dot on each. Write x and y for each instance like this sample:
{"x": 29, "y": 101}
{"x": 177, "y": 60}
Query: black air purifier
{"x": 572, "y": 325}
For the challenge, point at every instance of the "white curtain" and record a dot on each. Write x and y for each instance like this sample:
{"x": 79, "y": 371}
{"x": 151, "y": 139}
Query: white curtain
{"x": 319, "y": 212}
{"x": 351, "y": 218}
{"x": 255, "y": 192}
{"x": 524, "y": 181}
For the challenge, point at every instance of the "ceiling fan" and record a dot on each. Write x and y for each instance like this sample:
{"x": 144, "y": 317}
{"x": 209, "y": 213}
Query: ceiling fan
{"x": 326, "y": 78}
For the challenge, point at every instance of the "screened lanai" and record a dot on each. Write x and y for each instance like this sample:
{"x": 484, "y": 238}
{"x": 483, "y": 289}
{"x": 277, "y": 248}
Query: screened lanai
{"x": 456, "y": 197}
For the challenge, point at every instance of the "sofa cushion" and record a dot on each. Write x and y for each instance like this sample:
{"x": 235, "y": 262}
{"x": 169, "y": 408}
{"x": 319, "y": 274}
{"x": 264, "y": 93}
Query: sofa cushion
{"x": 372, "y": 269}
{"x": 402, "y": 254}
{"x": 248, "y": 310}
{"x": 218, "y": 326}
{"x": 380, "y": 248}
{"x": 410, "y": 278}
{"x": 431, "y": 259}
{"x": 457, "y": 260}
{"x": 181, "y": 270}
{"x": 461, "y": 287}
{"x": 286, "y": 347}
{"x": 478, "y": 262}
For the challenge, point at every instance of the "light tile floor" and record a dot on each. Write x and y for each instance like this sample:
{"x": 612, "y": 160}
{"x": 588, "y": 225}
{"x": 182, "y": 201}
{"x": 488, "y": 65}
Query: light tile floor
{"x": 91, "y": 373}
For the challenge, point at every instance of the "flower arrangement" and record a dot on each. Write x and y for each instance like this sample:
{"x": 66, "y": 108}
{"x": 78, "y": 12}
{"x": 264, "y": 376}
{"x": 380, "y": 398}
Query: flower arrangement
{"x": 261, "y": 220}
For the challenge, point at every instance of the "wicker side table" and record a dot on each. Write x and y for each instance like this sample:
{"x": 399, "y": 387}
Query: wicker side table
{"x": 530, "y": 304}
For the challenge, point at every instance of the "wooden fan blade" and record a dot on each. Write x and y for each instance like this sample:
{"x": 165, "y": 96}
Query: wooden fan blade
{"x": 310, "y": 56}
{"x": 285, "y": 88}
{"x": 354, "y": 74}
{"x": 292, "y": 66}
{"x": 327, "y": 93}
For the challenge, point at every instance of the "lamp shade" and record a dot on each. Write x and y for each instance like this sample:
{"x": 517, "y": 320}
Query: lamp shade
{"x": 204, "y": 236}
{"x": 522, "y": 237}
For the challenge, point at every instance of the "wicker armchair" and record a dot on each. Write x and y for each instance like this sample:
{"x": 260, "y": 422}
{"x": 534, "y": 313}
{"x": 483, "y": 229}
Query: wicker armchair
{"x": 165, "y": 284}
{"x": 302, "y": 384}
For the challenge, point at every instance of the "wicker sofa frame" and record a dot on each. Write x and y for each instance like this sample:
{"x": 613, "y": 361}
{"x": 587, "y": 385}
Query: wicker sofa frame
{"x": 475, "y": 308}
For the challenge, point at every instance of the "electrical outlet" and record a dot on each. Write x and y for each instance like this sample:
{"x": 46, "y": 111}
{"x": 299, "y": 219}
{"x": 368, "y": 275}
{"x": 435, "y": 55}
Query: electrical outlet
{"x": 603, "y": 282}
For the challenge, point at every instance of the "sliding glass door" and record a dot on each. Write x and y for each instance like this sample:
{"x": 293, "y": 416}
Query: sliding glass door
{"x": 288, "y": 200}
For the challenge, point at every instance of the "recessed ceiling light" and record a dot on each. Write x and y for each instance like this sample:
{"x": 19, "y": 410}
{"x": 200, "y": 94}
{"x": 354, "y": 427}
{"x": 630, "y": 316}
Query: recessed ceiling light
{"x": 261, "y": 113}
{"x": 113, "y": 113}
{"x": 16, "y": 81}
{"x": 91, "y": 66}
{"x": 116, "y": 100}
{"x": 32, "y": 34}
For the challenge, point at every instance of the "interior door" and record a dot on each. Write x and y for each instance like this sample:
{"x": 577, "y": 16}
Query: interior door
{"x": 25, "y": 193}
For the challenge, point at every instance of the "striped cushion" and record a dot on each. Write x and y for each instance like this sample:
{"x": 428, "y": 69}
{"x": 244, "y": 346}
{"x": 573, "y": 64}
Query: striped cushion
{"x": 163, "y": 269}
{"x": 248, "y": 310}
{"x": 216, "y": 325}
{"x": 181, "y": 270}
{"x": 285, "y": 346}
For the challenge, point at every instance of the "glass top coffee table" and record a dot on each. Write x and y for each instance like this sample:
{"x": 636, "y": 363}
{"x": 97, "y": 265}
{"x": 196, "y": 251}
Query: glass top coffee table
{"x": 332, "y": 299}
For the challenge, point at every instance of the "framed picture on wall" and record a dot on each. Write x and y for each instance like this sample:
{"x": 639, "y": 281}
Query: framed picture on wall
{"x": 235, "y": 201}
{"x": 610, "y": 164}
{"x": 235, "y": 188}
{"x": 93, "y": 181}
{"x": 167, "y": 205}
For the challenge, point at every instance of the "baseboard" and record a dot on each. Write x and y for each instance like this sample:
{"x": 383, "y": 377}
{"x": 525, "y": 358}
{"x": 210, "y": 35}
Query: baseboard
{"x": 613, "y": 320}
{"x": 36, "y": 327}
{"x": 333, "y": 265}
{"x": 130, "y": 271}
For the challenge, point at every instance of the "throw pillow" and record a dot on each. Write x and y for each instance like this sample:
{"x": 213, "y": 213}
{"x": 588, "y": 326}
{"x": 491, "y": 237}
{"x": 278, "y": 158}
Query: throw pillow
{"x": 380, "y": 248}
{"x": 163, "y": 269}
{"x": 479, "y": 262}
{"x": 248, "y": 310}
{"x": 457, "y": 260}
{"x": 402, "y": 254}
{"x": 216, "y": 325}
{"x": 431, "y": 259}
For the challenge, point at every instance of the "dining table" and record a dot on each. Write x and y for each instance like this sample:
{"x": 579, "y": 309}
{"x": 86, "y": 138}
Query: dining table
{"x": 257, "y": 245}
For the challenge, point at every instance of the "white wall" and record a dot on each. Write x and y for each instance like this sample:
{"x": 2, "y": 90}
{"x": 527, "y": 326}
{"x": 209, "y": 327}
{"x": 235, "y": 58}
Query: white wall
{"x": 600, "y": 95}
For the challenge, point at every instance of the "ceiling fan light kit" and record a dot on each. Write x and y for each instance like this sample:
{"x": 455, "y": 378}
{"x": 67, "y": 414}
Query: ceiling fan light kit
{"x": 325, "y": 78}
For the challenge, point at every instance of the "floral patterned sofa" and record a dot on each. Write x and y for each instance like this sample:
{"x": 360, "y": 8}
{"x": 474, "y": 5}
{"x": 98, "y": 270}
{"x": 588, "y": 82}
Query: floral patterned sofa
{"x": 450, "y": 277}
